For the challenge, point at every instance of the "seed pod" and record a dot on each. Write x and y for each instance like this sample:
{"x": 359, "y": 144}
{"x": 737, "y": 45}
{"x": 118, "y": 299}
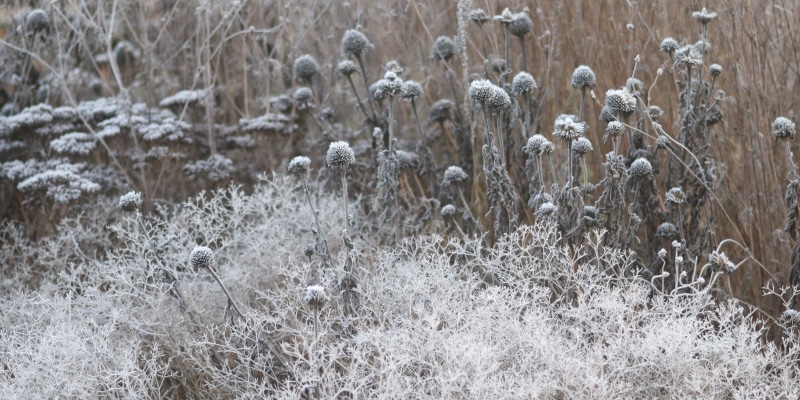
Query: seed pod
{"x": 305, "y": 67}
{"x": 299, "y": 165}
{"x": 454, "y": 174}
{"x": 340, "y": 156}
{"x": 201, "y": 257}
{"x": 130, "y": 202}
{"x": 523, "y": 83}
{"x": 583, "y": 78}
{"x": 354, "y": 43}
{"x": 444, "y": 48}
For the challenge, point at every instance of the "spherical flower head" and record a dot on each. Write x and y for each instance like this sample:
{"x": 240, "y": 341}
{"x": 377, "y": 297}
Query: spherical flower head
{"x": 454, "y": 174}
{"x": 675, "y": 196}
{"x": 534, "y": 145}
{"x": 641, "y": 168}
{"x": 441, "y": 111}
{"x": 613, "y": 130}
{"x": 201, "y": 257}
{"x": 703, "y": 16}
{"x": 702, "y": 47}
{"x": 546, "y": 209}
{"x": 688, "y": 55}
{"x": 715, "y": 70}
{"x": 523, "y": 83}
{"x": 346, "y": 68}
{"x": 392, "y": 84}
{"x": 669, "y": 45}
{"x": 634, "y": 85}
{"x": 520, "y": 24}
{"x": 303, "y": 97}
{"x": 620, "y": 101}
{"x": 583, "y": 78}
{"x": 481, "y": 90}
{"x": 783, "y": 128}
{"x": 607, "y": 115}
{"x": 354, "y": 43}
{"x": 305, "y": 67}
{"x": 667, "y": 231}
{"x": 582, "y": 146}
{"x": 315, "y": 296}
{"x": 130, "y": 202}
{"x": 444, "y": 48}
{"x": 37, "y": 20}
{"x": 548, "y": 147}
{"x": 506, "y": 17}
{"x": 448, "y": 210}
{"x": 299, "y": 165}
{"x": 655, "y": 112}
{"x": 567, "y": 127}
{"x": 379, "y": 90}
{"x": 309, "y": 250}
{"x": 478, "y": 16}
{"x": 340, "y": 156}
{"x": 411, "y": 90}
{"x": 500, "y": 101}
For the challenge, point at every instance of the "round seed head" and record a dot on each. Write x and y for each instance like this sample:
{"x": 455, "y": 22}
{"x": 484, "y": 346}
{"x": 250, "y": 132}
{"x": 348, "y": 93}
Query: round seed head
{"x": 667, "y": 231}
{"x": 481, "y": 90}
{"x": 201, "y": 257}
{"x": 634, "y": 85}
{"x": 354, "y": 43}
{"x": 498, "y": 65}
{"x": 607, "y": 115}
{"x": 444, "y": 48}
{"x": 299, "y": 165}
{"x": 500, "y": 101}
{"x": 506, "y": 17}
{"x": 340, "y": 156}
{"x": 303, "y": 97}
{"x": 411, "y": 90}
{"x": 567, "y": 127}
{"x": 583, "y": 78}
{"x": 655, "y": 112}
{"x": 378, "y": 90}
{"x": 688, "y": 55}
{"x": 448, "y": 210}
{"x": 662, "y": 141}
{"x": 523, "y": 83}
{"x": 548, "y": 147}
{"x": 675, "y": 196}
{"x": 305, "y": 67}
{"x": 441, "y": 111}
{"x": 703, "y": 16}
{"x": 669, "y": 45}
{"x": 714, "y": 115}
{"x": 720, "y": 262}
{"x": 308, "y": 250}
{"x": 37, "y": 20}
{"x": 546, "y": 209}
{"x": 582, "y": 146}
{"x": 702, "y": 47}
{"x": 478, "y": 16}
{"x": 393, "y": 84}
{"x": 130, "y": 202}
{"x": 620, "y": 101}
{"x": 407, "y": 159}
{"x": 315, "y": 296}
{"x": 614, "y": 128}
{"x": 346, "y": 68}
{"x": 641, "y": 167}
{"x": 520, "y": 25}
{"x": 715, "y": 70}
{"x": 534, "y": 145}
{"x": 783, "y": 128}
{"x": 454, "y": 174}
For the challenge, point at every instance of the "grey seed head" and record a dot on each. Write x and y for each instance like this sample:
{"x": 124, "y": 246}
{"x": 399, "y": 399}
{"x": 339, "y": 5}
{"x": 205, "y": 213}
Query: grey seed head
{"x": 546, "y": 209}
{"x": 498, "y": 65}
{"x": 669, "y": 45}
{"x": 378, "y": 90}
{"x": 444, "y": 48}
{"x": 506, "y": 17}
{"x": 715, "y": 70}
{"x": 567, "y": 127}
{"x": 640, "y": 167}
{"x": 675, "y": 196}
{"x": 481, "y": 90}
{"x": 523, "y": 83}
{"x": 714, "y": 115}
{"x": 583, "y": 78}
{"x": 614, "y": 129}
{"x": 130, "y": 202}
{"x": 534, "y": 145}
{"x": 411, "y": 90}
{"x": 720, "y": 262}
{"x": 407, "y": 159}
{"x": 702, "y": 47}
{"x": 582, "y": 146}
{"x": 315, "y": 296}
{"x": 500, "y": 101}
{"x": 662, "y": 141}
{"x": 655, "y": 112}
{"x": 340, "y": 156}
{"x": 37, "y": 20}
{"x": 607, "y": 115}
{"x": 305, "y": 67}
{"x": 354, "y": 43}
{"x": 448, "y": 210}
{"x": 441, "y": 111}
{"x": 201, "y": 257}
{"x": 783, "y": 128}
{"x": 309, "y": 250}
{"x": 688, "y": 55}
{"x": 454, "y": 174}
{"x": 299, "y": 165}
{"x": 303, "y": 97}
{"x": 703, "y": 16}
{"x": 478, "y": 16}
{"x": 634, "y": 85}
{"x": 520, "y": 25}
{"x": 548, "y": 147}
{"x": 620, "y": 101}
{"x": 393, "y": 83}
{"x": 346, "y": 68}
{"x": 667, "y": 231}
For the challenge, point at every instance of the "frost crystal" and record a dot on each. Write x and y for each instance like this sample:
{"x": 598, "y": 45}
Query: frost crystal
{"x": 77, "y": 143}
{"x": 315, "y": 296}
{"x": 131, "y": 201}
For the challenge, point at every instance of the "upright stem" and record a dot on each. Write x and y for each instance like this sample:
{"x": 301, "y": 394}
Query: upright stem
{"x": 323, "y": 240}
{"x": 524, "y": 54}
{"x": 358, "y": 98}
{"x": 344, "y": 200}
{"x": 583, "y": 97}
{"x": 466, "y": 206}
{"x": 366, "y": 83}
{"x": 504, "y": 74}
{"x": 569, "y": 163}
{"x": 230, "y": 298}
{"x": 449, "y": 73}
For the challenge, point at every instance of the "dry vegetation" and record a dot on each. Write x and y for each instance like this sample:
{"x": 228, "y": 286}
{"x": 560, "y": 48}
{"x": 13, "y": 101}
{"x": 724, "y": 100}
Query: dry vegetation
{"x": 669, "y": 242}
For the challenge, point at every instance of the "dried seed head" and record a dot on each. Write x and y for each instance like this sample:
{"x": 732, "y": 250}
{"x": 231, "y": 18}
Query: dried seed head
{"x": 444, "y": 48}
{"x": 411, "y": 90}
{"x": 506, "y": 17}
{"x": 201, "y": 257}
{"x": 454, "y": 174}
{"x": 703, "y": 16}
{"x": 354, "y": 43}
{"x": 634, "y": 86}
{"x": 667, "y": 231}
{"x": 448, "y": 210}
{"x": 498, "y": 65}
{"x": 620, "y": 101}
{"x": 392, "y": 84}
{"x": 607, "y": 115}
{"x": 662, "y": 141}
{"x": 655, "y": 112}
{"x": 688, "y": 55}
{"x": 567, "y": 127}
{"x": 582, "y": 146}
{"x": 546, "y": 209}
{"x": 37, "y": 20}
{"x": 303, "y": 97}
{"x": 675, "y": 196}
{"x": 640, "y": 168}
{"x": 613, "y": 130}
{"x": 407, "y": 159}
{"x": 783, "y": 128}
{"x": 499, "y": 101}
{"x": 378, "y": 90}
{"x": 534, "y": 145}
{"x": 481, "y": 91}
{"x": 340, "y": 156}
{"x": 441, "y": 111}
{"x": 720, "y": 262}
{"x": 714, "y": 115}
{"x": 305, "y": 67}
{"x": 548, "y": 147}
{"x": 523, "y": 83}
{"x": 299, "y": 165}
{"x": 583, "y": 78}
{"x": 315, "y": 296}
{"x": 346, "y": 68}
{"x": 130, "y": 202}
{"x": 520, "y": 25}
{"x": 309, "y": 250}
{"x": 702, "y": 47}
{"x": 669, "y": 45}
{"x": 715, "y": 70}
{"x": 478, "y": 16}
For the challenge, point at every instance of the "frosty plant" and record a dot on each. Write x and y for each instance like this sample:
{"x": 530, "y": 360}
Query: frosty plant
{"x": 203, "y": 257}
{"x": 299, "y": 166}
{"x": 339, "y": 158}
{"x": 315, "y": 298}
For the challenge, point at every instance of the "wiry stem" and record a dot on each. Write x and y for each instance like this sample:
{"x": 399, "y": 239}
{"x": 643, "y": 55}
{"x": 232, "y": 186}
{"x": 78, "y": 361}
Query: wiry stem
{"x": 366, "y": 83}
{"x": 358, "y": 98}
{"x": 325, "y": 251}
{"x": 344, "y": 200}
{"x": 227, "y": 294}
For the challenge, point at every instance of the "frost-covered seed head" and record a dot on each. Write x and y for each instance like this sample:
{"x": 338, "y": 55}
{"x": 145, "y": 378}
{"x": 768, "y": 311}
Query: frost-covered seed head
{"x": 481, "y": 90}
{"x": 662, "y": 253}
{"x": 607, "y": 115}
{"x": 715, "y": 70}
{"x": 37, "y": 20}
{"x": 392, "y": 84}
{"x": 201, "y": 257}
{"x": 378, "y": 90}
{"x": 662, "y": 141}
{"x": 582, "y": 146}
{"x": 299, "y": 165}
{"x": 308, "y": 250}
{"x": 667, "y": 231}
{"x": 720, "y": 262}
{"x": 315, "y": 296}
{"x": 340, "y": 156}
{"x": 520, "y": 24}
{"x": 641, "y": 167}
{"x": 478, "y": 16}
{"x": 523, "y": 83}
{"x": 441, "y": 111}
{"x": 303, "y": 97}
{"x": 703, "y": 16}
{"x": 499, "y": 101}
{"x": 411, "y": 90}
{"x": 688, "y": 55}
{"x": 546, "y": 209}
{"x": 583, "y": 78}
{"x": 534, "y": 145}
{"x": 130, "y": 202}
{"x": 454, "y": 174}
{"x": 448, "y": 210}
{"x": 655, "y": 112}
{"x": 675, "y": 196}
{"x": 305, "y": 67}
{"x": 702, "y": 47}
{"x": 669, "y": 45}
{"x": 407, "y": 159}
{"x": 634, "y": 85}
{"x": 506, "y": 17}
{"x": 714, "y": 115}
{"x": 783, "y": 128}
{"x": 444, "y": 48}
{"x": 346, "y": 68}
{"x": 354, "y": 43}
{"x": 567, "y": 127}
{"x": 620, "y": 101}
{"x": 548, "y": 147}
